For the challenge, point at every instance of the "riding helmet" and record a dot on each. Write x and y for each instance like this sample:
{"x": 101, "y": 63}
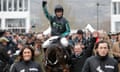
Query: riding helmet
{"x": 59, "y": 8}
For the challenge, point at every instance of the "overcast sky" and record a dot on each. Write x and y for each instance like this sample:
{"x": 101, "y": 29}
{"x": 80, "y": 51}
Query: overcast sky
{"x": 84, "y": 11}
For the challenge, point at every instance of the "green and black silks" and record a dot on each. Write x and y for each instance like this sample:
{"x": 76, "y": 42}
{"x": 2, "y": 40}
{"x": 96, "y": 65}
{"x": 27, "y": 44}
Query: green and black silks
{"x": 59, "y": 26}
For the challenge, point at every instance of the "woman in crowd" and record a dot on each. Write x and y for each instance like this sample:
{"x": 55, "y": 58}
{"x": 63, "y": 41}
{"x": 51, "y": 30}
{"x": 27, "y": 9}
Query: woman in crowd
{"x": 26, "y": 62}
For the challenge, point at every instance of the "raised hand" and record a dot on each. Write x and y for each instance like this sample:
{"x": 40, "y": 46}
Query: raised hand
{"x": 95, "y": 34}
{"x": 44, "y": 2}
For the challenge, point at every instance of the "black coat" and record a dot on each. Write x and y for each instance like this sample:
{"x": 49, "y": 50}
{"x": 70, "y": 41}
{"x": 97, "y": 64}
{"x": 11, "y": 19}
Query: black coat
{"x": 78, "y": 62}
{"x": 96, "y": 64}
{"x": 22, "y": 66}
{"x": 4, "y": 58}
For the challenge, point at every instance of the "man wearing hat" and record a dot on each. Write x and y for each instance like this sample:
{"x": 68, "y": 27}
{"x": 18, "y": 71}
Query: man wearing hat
{"x": 80, "y": 55}
{"x": 80, "y": 38}
{"x": 4, "y": 58}
{"x": 4, "y": 43}
{"x": 113, "y": 37}
{"x": 4, "y": 39}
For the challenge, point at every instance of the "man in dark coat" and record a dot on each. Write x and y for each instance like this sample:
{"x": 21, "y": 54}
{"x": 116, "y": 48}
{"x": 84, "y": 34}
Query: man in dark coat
{"x": 4, "y": 58}
{"x": 102, "y": 62}
{"x": 80, "y": 55}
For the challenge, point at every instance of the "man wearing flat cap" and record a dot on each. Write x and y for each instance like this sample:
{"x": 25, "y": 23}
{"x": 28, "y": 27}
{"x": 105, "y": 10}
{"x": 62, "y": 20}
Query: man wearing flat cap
{"x": 4, "y": 39}
{"x": 4, "y": 58}
{"x": 80, "y": 39}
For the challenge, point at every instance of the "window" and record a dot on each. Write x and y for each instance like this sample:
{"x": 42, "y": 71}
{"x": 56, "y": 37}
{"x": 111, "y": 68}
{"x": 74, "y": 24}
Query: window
{"x": 117, "y": 26}
{"x": 20, "y": 5}
{"x": 114, "y": 8}
{"x": 26, "y": 5}
{"x": 15, "y": 23}
{"x": 4, "y": 5}
{"x": 22, "y": 30}
{"x": 0, "y": 5}
{"x": 118, "y": 7}
{"x": 15, "y": 5}
{"x": 17, "y": 30}
{"x": 10, "y": 5}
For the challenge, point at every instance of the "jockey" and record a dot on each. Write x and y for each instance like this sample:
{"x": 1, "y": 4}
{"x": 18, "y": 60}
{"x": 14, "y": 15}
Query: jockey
{"x": 59, "y": 25}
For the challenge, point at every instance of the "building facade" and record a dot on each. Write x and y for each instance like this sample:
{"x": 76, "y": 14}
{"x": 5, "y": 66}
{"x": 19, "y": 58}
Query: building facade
{"x": 115, "y": 16}
{"x": 15, "y": 15}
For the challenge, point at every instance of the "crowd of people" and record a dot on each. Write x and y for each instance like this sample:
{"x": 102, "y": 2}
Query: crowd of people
{"x": 91, "y": 52}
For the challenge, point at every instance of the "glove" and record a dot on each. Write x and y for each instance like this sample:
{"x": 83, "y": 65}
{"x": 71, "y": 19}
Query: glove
{"x": 44, "y": 3}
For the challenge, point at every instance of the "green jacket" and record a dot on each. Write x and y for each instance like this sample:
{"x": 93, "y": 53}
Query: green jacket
{"x": 59, "y": 27}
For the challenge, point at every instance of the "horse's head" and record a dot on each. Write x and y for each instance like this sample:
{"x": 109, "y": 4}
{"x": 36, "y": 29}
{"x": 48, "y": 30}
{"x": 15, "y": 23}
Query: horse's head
{"x": 56, "y": 57}
{"x": 54, "y": 53}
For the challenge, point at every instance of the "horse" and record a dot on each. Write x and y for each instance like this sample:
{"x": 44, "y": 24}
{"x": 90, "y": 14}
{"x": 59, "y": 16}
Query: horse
{"x": 57, "y": 59}
{"x": 57, "y": 54}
